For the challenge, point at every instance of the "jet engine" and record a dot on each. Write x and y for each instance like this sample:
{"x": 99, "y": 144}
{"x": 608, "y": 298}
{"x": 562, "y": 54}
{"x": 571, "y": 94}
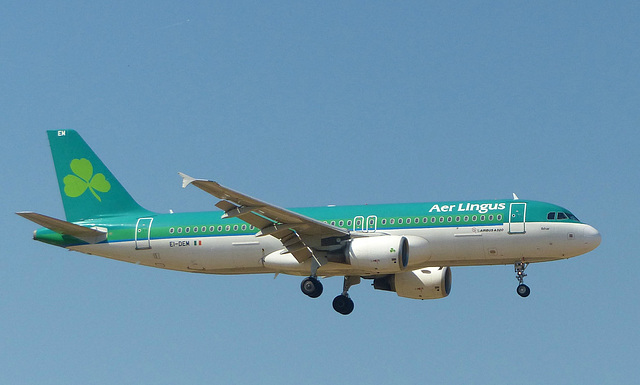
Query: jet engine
{"x": 427, "y": 283}
{"x": 384, "y": 254}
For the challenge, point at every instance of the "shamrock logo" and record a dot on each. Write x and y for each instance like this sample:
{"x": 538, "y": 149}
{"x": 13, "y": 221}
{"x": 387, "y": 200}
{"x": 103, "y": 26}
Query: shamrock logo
{"x": 76, "y": 185}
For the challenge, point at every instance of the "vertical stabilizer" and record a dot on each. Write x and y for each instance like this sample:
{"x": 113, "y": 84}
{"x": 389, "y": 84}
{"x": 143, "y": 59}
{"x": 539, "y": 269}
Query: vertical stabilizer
{"x": 87, "y": 187}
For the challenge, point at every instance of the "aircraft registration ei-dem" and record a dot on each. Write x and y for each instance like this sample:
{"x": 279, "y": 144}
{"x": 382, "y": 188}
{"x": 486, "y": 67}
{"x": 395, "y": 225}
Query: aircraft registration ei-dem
{"x": 403, "y": 248}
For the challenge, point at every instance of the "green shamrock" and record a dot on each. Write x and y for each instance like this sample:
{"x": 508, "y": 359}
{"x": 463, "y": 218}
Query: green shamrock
{"x": 76, "y": 185}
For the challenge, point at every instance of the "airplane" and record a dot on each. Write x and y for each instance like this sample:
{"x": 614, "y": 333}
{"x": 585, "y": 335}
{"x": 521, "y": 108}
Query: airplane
{"x": 403, "y": 248}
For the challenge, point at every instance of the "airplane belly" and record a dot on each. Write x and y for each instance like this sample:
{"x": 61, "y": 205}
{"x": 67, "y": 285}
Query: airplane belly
{"x": 223, "y": 254}
{"x": 493, "y": 245}
{"x": 460, "y": 244}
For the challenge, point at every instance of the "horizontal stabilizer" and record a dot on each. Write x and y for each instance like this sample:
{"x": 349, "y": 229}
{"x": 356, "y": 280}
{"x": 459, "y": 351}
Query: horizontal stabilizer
{"x": 66, "y": 228}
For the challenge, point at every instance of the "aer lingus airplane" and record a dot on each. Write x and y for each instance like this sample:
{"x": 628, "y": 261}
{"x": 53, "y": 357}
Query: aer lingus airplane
{"x": 406, "y": 248}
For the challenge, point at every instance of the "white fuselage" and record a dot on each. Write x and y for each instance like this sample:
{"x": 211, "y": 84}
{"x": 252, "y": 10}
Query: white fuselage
{"x": 441, "y": 246}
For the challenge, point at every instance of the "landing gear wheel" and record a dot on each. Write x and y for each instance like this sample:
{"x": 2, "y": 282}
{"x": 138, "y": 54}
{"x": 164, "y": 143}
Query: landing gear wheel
{"x": 343, "y": 304}
{"x": 523, "y": 290}
{"x": 311, "y": 286}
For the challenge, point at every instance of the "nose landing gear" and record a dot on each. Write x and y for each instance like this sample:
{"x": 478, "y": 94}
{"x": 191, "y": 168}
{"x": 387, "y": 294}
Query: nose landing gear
{"x": 522, "y": 289}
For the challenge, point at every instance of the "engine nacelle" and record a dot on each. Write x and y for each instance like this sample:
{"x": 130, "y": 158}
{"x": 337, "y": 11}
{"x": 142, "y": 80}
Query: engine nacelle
{"x": 375, "y": 255}
{"x": 427, "y": 283}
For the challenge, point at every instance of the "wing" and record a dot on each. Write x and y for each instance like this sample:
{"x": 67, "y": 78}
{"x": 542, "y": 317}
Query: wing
{"x": 298, "y": 233}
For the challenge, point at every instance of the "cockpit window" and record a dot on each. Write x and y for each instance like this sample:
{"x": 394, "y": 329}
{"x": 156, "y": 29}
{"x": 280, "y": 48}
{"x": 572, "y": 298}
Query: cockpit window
{"x": 572, "y": 217}
{"x": 561, "y": 215}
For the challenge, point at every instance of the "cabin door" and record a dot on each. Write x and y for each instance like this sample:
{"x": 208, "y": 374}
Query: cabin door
{"x": 143, "y": 233}
{"x": 517, "y": 215}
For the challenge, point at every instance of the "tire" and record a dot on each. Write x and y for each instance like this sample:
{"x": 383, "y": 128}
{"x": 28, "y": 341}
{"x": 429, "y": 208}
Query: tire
{"x": 311, "y": 287}
{"x": 343, "y": 304}
{"x": 523, "y": 290}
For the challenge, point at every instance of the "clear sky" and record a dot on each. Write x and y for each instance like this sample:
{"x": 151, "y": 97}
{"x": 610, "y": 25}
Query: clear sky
{"x": 309, "y": 103}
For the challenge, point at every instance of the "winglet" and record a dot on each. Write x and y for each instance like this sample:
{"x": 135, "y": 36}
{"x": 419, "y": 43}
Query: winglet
{"x": 186, "y": 180}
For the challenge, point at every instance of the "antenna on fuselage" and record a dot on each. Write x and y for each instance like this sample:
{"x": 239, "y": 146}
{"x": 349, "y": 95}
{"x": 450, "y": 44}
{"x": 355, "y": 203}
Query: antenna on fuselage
{"x": 515, "y": 197}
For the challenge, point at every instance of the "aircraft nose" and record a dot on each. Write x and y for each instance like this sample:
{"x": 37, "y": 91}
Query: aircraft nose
{"x": 592, "y": 237}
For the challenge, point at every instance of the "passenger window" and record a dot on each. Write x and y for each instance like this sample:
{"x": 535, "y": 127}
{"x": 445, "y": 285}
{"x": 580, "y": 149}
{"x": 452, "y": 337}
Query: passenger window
{"x": 474, "y": 218}
{"x": 384, "y": 221}
{"x": 187, "y": 229}
{"x": 179, "y": 230}
{"x": 466, "y": 218}
{"x": 195, "y": 229}
{"x": 441, "y": 219}
{"x": 349, "y": 223}
{"x": 400, "y": 221}
{"x": 562, "y": 216}
{"x": 341, "y": 223}
{"x": 425, "y": 220}
{"x": 171, "y": 230}
{"x": 551, "y": 216}
{"x": 458, "y": 219}
{"x": 204, "y": 228}
{"x": 219, "y": 228}
{"x": 499, "y": 217}
{"x": 244, "y": 227}
{"x": 482, "y": 217}
{"x": 433, "y": 219}
{"x": 392, "y": 221}
{"x": 212, "y": 229}
{"x": 449, "y": 219}
{"x": 490, "y": 217}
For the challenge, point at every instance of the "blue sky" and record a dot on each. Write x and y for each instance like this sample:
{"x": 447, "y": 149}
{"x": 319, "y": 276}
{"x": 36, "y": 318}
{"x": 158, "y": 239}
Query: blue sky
{"x": 315, "y": 103}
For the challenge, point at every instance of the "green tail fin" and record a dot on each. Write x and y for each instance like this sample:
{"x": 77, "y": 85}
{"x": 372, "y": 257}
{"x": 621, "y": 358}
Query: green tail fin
{"x": 87, "y": 187}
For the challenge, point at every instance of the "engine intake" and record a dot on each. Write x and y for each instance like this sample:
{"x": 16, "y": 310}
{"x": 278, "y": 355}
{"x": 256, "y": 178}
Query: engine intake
{"x": 427, "y": 283}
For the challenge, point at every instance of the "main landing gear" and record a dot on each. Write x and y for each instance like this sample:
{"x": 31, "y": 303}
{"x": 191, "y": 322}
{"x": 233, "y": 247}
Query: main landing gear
{"x": 342, "y": 303}
{"x": 522, "y": 289}
{"x": 311, "y": 287}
